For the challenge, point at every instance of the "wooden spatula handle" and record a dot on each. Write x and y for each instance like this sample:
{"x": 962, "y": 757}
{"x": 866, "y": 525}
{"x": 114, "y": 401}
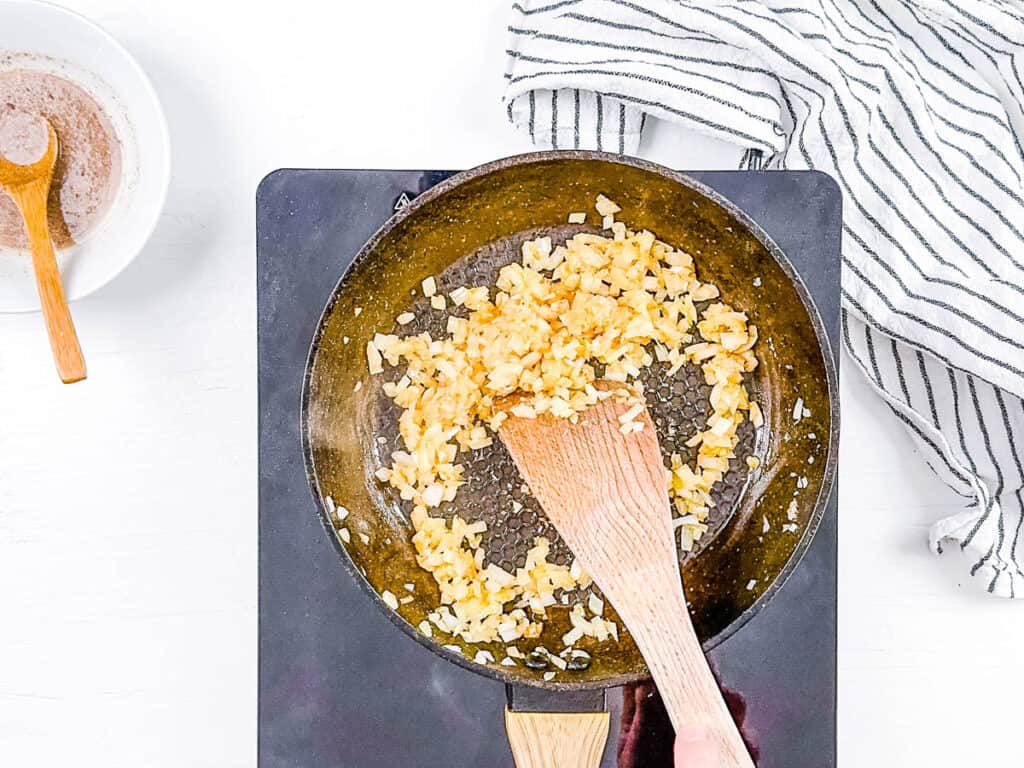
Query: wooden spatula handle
{"x": 661, "y": 626}
{"x": 67, "y": 353}
{"x": 556, "y": 739}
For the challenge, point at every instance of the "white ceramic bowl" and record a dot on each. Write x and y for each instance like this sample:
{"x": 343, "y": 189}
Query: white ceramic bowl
{"x": 61, "y": 42}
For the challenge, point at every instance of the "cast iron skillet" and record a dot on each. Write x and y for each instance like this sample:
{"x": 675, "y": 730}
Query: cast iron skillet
{"x": 461, "y": 231}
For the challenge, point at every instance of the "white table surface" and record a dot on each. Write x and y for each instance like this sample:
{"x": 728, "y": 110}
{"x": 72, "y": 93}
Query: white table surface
{"x": 128, "y": 502}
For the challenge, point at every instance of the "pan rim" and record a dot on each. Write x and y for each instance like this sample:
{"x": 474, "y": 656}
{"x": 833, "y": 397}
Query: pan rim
{"x": 682, "y": 178}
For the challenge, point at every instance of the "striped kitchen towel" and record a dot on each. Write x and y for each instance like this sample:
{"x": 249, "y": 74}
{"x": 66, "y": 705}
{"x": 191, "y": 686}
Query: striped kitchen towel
{"x": 916, "y": 108}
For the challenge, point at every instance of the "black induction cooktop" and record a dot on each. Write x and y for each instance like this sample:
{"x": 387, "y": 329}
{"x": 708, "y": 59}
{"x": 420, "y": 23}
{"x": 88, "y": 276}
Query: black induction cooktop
{"x": 339, "y": 686}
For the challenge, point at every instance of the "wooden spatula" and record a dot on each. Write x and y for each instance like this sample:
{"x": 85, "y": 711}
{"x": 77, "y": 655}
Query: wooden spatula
{"x": 605, "y": 492}
{"x": 29, "y": 187}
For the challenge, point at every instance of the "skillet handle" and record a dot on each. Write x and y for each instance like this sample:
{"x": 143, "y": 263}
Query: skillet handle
{"x": 557, "y": 739}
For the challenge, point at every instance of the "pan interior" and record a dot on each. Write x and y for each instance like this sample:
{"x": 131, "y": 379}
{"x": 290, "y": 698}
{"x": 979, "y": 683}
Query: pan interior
{"x": 463, "y": 238}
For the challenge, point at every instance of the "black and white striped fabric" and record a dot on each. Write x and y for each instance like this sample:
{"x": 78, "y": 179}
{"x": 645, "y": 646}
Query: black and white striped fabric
{"x": 916, "y": 108}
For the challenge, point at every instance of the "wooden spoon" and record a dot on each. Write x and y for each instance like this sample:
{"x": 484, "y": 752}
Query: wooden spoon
{"x": 605, "y": 493}
{"x": 29, "y": 187}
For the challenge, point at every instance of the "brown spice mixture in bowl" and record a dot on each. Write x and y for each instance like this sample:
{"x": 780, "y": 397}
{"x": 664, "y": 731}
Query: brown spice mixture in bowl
{"x": 88, "y": 171}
